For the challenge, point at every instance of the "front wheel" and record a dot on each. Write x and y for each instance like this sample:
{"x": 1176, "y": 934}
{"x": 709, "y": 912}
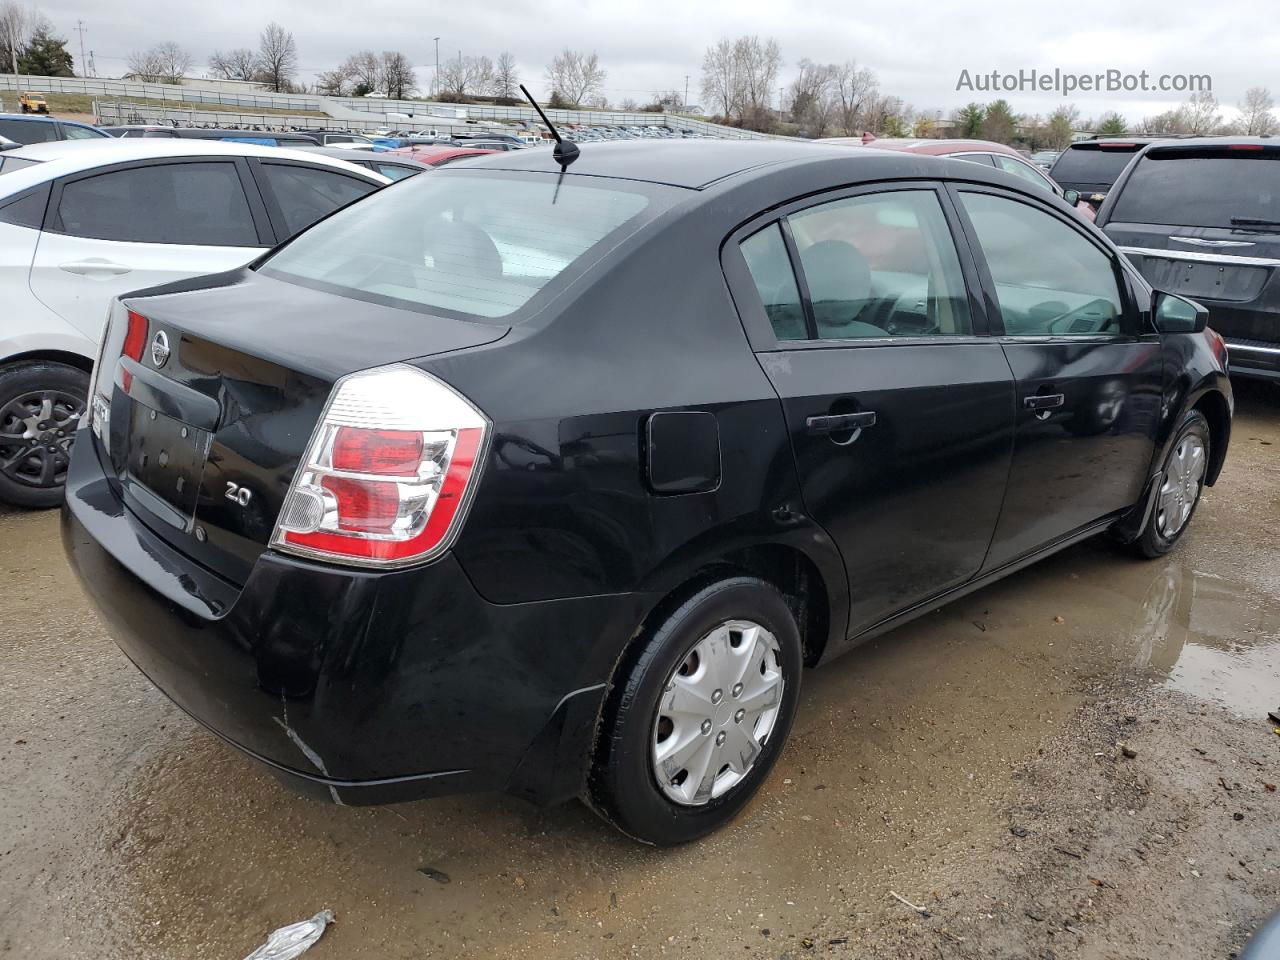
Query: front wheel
{"x": 1180, "y": 487}
{"x": 698, "y": 717}
{"x": 40, "y": 407}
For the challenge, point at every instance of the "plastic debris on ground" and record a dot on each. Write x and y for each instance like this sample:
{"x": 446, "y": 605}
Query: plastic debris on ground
{"x": 293, "y": 940}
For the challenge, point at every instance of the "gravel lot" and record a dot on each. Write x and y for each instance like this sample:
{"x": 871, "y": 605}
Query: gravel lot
{"x": 973, "y": 762}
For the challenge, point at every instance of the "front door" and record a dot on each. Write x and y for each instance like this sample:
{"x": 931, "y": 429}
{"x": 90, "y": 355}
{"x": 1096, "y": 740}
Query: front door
{"x": 138, "y": 226}
{"x": 1089, "y": 378}
{"x": 900, "y": 411}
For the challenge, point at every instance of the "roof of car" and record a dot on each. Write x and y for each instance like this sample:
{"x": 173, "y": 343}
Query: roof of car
{"x": 363, "y": 156}
{"x": 928, "y": 146}
{"x": 433, "y": 156}
{"x": 682, "y": 163}
{"x": 62, "y": 157}
{"x": 38, "y": 118}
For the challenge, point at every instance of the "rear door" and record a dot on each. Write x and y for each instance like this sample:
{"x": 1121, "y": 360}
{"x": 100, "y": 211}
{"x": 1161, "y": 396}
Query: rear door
{"x": 899, "y": 408}
{"x": 1089, "y": 377}
{"x": 108, "y": 232}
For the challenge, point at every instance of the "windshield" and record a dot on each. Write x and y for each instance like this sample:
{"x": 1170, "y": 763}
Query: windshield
{"x": 28, "y": 131}
{"x": 1203, "y": 191}
{"x": 1092, "y": 164}
{"x": 476, "y": 245}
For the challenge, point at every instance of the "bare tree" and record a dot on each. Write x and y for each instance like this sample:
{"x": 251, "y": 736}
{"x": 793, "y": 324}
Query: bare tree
{"x": 506, "y": 79}
{"x": 277, "y": 56}
{"x": 1256, "y": 116}
{"x": 238, "y": 64}
{"x": 16, "y": 25}
{"x": 482, "y": 81}
{"x": 164, "y": 63}
{"x": 1202, "y": 113}
{"x": 720, "y": 79}
{"x": 739, "y": 77}
{"x": 364, "y": 69}
{"x": 458, "y": 78}
{"x": 576, "y": 76}
{"x": 335, "y": 82}
{"x": 855, "y": 88}
{"x": 398, "y": 81}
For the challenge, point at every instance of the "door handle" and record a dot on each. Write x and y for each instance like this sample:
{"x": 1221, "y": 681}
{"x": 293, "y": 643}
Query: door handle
{"x": 839, "y": 422}
{"x": 1044, "y": 401}
{"x": 88, "y": 268}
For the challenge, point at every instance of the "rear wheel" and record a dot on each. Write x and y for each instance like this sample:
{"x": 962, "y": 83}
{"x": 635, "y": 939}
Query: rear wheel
{"x": 699, "y": 716}
{"x": 1181, "y": 486}
{"x": 40, "y": 406}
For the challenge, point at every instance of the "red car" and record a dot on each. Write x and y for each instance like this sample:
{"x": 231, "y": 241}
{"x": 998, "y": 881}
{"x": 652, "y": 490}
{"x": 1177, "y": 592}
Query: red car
{"x": 985, "y": 152}
{"x": 434, "y": 156}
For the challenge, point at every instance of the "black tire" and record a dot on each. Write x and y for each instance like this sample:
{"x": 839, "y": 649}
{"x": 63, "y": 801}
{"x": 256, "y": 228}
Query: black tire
{"x": 23, "y": 480}
{"x": 1154, "y": 542}
{"x": 622, "y": 786}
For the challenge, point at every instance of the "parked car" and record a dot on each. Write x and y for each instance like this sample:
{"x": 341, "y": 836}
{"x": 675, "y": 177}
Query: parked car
{"x": 1044, "y": 159}
{"x": 1202, "y": 218}
{"x": 483, "y": 506}
{"x": 985, "y": 152}
{"x": 266, "y": 138}
{"x": 37, "y": 129}
{"x": 82, "y": 223}
{"x": 31, "y": 102}
{"x": 1092, "y": 166}
{"x": 439, "y": 156}
{"x": 334, "y": 138}
{"x": 392, "y": 167}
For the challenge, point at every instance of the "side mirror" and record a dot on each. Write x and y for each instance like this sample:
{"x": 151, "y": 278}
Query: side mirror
{"x": 1071, "y": 196}
{"x": 1175, "y": 314}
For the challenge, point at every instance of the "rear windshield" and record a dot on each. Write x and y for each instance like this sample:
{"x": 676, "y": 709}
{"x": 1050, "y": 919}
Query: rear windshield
{"x": 1241, "y": 191}
{"x": 480, "y": 246}
{"x": 1092, "y": 164}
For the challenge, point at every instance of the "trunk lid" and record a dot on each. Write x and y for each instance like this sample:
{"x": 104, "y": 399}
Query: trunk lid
{"x": 204, "y": 441}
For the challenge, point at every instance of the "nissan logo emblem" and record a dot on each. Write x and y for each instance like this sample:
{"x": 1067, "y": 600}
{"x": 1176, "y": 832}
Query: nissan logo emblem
{"x": 160, "y": 349}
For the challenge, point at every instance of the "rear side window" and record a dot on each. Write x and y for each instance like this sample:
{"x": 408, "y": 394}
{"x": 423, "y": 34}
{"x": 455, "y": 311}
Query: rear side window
{"x": 882, "y": 265}
{"x": 305, "y": 194}
{"x": 766, "y": 256}
{"x": 396, "y": 172}
{"x": 1023, "y": 170}
{"x": 1237, "y": 190}
{"x": 28, "y": 131}
{"x": 1049, "y": 279}
{"x": 1093, "y": 165}
{"x": 10, "y": 164}
{"x": 72, "y": 132}
{"x": 187, "y": 203}
{"x": 474, "y": 245}
{"x": 26, "y": 210}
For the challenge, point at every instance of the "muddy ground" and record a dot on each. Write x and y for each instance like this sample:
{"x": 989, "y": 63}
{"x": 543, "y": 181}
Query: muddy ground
{"x": 972, "y": 762}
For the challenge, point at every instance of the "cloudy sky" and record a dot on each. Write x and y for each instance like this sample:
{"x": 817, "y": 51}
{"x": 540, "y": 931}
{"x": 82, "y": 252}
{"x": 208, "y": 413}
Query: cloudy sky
{"x": 917, "y": 49}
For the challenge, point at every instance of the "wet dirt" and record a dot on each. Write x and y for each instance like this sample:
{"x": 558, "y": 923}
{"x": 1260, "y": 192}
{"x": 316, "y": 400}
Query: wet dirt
{"x": 973, "y": 762}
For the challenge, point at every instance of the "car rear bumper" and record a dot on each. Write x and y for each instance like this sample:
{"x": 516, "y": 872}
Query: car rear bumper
{"x": 360, "y": 686}
{"x": 1254, "y": 358}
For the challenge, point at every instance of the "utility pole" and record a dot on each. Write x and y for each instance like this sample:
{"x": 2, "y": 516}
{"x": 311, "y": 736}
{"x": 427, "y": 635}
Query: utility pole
{"x": 80, "y": 30}
{"x": 684, "y": 106}
{"x": 437, "y": 84}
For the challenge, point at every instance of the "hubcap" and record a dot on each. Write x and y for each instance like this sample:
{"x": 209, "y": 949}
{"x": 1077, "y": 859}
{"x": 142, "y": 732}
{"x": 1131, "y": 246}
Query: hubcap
{"x": 36, "y": 432}
{"x": 716, "y": 712}
{"x": 1183, "y": 479}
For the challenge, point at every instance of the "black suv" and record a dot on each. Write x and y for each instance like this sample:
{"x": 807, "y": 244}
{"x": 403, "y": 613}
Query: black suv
{"x": 1201, "y": 218}
{"x": 554, "y": 481}
{"x": 1090, "y": 167}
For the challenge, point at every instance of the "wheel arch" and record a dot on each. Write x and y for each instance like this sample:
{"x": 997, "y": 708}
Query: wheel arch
{"x": 1217, "y": 410}
{"x": 67, "y": 357}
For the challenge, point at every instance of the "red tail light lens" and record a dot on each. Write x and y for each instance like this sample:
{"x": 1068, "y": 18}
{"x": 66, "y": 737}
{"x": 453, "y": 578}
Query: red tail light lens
{"x": 388, "y": 473}
{"x": 135, "y": 338}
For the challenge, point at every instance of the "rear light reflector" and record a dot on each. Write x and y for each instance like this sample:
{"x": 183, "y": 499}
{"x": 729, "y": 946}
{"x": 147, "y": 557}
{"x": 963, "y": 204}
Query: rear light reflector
{"x": 388, "y": 473}
{"x": 1244, "y": 146}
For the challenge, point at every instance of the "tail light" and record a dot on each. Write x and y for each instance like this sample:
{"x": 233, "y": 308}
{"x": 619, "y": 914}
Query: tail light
{"x": 1217, "y": 344}
{"x": 388, "y": 474}
{"x": 129, "y": 340}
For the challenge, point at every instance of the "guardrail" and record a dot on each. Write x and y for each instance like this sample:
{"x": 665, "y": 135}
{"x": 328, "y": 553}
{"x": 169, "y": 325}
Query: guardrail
{"x": 113, "y": 113}
{"x": 420, "y": 110}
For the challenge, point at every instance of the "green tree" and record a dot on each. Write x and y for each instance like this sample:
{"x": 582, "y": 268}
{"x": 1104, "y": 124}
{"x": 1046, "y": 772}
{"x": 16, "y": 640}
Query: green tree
{"x": 894, "y": 126}
{"x": 1112, "y": 125}
{"x": 1000, "y": 122}
{"x": 1062, "y": 124}
{"x": 970, "y": 120}
{"x": 44, "y": 55}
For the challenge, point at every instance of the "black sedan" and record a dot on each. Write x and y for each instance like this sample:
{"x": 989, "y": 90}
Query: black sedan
{"x": 553, "y": 482}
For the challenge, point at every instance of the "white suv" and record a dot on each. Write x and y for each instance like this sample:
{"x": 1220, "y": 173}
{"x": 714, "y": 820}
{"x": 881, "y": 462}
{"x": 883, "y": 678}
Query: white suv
{"x": 84, "y": 222}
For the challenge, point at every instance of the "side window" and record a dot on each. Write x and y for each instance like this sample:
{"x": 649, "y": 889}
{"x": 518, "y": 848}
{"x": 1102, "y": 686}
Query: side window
{"x": 882, "y": 265}
{"x": 395, "y": 171}
{"x": 766, "y": 256}
{"x": 1023, "y": 170}
{"x": 28, "y": 131}
{"x": 79, "y": 133}
{"x": 306, "y": 194}
{"x": 26, "y": 210}
{"x": 1049, "y": 279}
{"x": 983, "y": 158}
{"x": 188, "y": 203}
